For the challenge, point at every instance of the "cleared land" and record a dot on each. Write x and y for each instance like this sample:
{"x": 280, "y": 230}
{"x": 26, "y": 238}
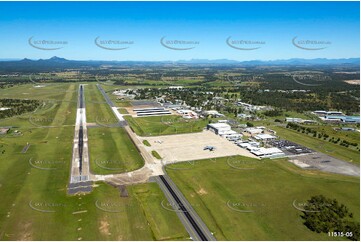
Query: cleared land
{"x": 164, "y": 125}
{"x": 353, "y": 82}
{"x": 185, "y": 147}
{"x": 240, "y": 198}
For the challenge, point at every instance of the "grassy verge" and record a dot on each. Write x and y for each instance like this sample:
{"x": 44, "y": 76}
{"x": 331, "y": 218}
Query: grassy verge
{"x": 146, "y": 142}
{"x": 123, "y": 111}
{"x": 156, "y": 155}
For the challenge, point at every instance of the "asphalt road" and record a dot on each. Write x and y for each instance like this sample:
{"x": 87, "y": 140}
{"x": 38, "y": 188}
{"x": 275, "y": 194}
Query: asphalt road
{"x": 192, "y": 222}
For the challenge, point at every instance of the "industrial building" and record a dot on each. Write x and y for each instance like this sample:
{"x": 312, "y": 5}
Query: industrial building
{"x": 188, "y": 114}
{"x": 351, "y": 119}
{"x": 219, "y": 128}
{"x": 143, "y": 112}
{"x": 254, "y": 131}
{"x": 341, "y": 118}
{"x": 264, "y": 137}
{"x": 300, "y": 120}
{"x": 248, "y": 145}
{"x": 323, "y": 113}
{"x": 294, "y": 120}
{"x": 267, "y": 152}
{"x": 250, "y": 107}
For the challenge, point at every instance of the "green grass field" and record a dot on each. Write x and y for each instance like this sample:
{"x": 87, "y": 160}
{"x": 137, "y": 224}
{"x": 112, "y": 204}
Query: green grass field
{"x": 164, "y": 125}
{"x": 322, "y": 146}
{"x": 221, "y": 194}
{"x": 34, "y": 202}
{"x": 53, "y": 91}
{"x": 112, "y": 151}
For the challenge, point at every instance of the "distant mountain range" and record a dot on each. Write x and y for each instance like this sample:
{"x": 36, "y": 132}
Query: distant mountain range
{"x": 62, "y": 63}
{"x": 294, "y": 61}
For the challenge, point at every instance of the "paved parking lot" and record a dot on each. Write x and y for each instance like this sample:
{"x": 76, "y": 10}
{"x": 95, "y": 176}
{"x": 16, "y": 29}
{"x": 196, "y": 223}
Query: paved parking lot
{"x": 322, "y": 162}
{"x": 186, "y": 147}
{"x": 290, "y": 148}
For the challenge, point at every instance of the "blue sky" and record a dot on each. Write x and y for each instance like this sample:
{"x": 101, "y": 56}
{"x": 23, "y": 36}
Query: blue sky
{"x": 272, "y": 24}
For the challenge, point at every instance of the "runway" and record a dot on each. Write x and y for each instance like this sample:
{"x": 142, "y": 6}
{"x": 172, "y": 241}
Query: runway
{"x": 80, "y": 173}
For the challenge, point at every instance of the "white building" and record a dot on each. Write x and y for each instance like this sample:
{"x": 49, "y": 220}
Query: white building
{"x": 231, "y": 135}
{"x": 249, "y": 145}
{"x": 213, "y": 113}
{"x": 324, "y": 113}
{"x": 176, "y": 87}
{"x": 294, "y": 120}
{"x": 253, "y": 131}
{"x": 265, "y": 137}
{"x": 151, "y": 111}
{"x": 251, "y": 107}
{"x": 123, "y": 93}
{"x": 267, "y": 152}
{"x": 188, "y": 114}
{"x": 219, "y": 128}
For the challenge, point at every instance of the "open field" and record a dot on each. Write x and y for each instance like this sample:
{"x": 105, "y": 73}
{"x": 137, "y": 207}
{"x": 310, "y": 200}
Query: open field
{"x": 97, "y": 110}
{"x": 322, "y": 146}
{"x": 29, "y": 91}
{"x": 164, "y": 125}
{"x": 35, "y": 204}
{"x": 241, "y": 198}
{"x": 112, "y": 151}
{"x": 185, "y": 147}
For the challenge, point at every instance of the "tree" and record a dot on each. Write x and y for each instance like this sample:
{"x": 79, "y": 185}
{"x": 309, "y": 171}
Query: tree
{"x": 324, "y": 215}
{"x": 249, "y": 124}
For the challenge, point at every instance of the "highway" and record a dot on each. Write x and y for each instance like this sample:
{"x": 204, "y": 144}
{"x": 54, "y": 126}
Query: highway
{"x": 190, "y": 219}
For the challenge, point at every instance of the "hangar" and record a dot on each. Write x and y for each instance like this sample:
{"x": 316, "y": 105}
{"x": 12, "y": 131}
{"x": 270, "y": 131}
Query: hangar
{"x": 267, "y": 152}
{"x": 219, "y": 128}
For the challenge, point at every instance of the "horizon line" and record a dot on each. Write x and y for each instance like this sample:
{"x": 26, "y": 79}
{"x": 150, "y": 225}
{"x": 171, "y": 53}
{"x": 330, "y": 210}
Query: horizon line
{"x": 225, "y": 59}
